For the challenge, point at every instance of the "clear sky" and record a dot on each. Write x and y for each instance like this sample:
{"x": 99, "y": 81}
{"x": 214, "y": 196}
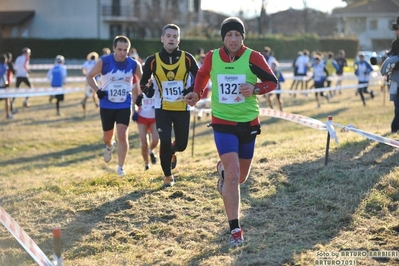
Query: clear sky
{"x": 252, "y": 7}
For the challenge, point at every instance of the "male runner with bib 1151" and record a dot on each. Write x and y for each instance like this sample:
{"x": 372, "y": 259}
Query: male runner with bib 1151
{"x": 173, "y": 71}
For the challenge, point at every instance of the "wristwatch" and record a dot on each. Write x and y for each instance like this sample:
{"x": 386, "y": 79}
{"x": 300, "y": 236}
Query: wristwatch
{"x": 256, "y": 90}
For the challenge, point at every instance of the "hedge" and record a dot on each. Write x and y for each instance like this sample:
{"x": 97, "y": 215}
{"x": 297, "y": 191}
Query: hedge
{"x": 284, "y": 47}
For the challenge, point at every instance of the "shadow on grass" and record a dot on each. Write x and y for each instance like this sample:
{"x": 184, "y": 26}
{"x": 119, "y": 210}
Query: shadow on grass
{"x": 56, "y": 159}
{"x": 287, "y": 211}
{"x": 311, "y": 204}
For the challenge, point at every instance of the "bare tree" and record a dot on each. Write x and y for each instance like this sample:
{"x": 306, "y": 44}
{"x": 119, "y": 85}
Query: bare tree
{"x": 262, "y": 19}
{"x": 306, "y": 21}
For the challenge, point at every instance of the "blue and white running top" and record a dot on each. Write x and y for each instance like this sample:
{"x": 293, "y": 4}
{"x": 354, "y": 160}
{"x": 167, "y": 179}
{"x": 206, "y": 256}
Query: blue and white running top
{"x": 116, "y": 80}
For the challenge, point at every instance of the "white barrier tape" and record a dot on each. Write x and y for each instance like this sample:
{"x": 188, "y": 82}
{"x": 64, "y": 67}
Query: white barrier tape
{"x": 345, "y": 87}
{"x": 368, "y": 135}
{"x": 331, "y": 131}
{"x": 303, "y": 120}
{"x": 24, "y": 92}
{"x": 48, "y": 66}
{"x": 26, "y": 242}
{"x": 45, "y": 80}
{"x": 313, "y": 123}
{"x": 346, "y": 76}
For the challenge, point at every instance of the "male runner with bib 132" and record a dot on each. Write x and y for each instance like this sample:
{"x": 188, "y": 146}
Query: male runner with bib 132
{"x": 234, "y": 70}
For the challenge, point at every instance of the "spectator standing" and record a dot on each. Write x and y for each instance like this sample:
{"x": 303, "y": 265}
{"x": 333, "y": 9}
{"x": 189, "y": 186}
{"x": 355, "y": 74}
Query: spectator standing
{"x": 234, "y": 70}
{"x": 341, "y": 63}
{"x": 10, "y": 74}
{"x": 394, "y": 76}
{"x": 280, "y": 78}
{"x": 320, "y": 74}
{"x": 200, "y": 52}
{"x": 4, "y": 83}
{"x": 302, "y": 67}
{"x": 57, "y": 76}
{"x": 208, "y": 87}
{"x": 332, "y": 67}
{"x": 106, "y": 51}
{"x": 362, "y": 72}
{"x": 22, "y": 73}
{"x": 11, "y": 68}
{"x": 90, "y": 62}
{"x": 134, "y": 54}
{"x": 172, "y": 70}
{"x": 268, "y": 54}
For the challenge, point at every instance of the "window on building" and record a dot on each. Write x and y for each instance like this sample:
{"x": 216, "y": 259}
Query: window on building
{"x": 197, "y": 6}
{"x": 373, "y": 24}
{"x": 137, "y": 8}
{"x": 115, "y": 30}
{"x": 157, "y": 4}
{"x": 116, "y": 8}
{"x": 131, "y": 32}
{"x": 190, "y": 5}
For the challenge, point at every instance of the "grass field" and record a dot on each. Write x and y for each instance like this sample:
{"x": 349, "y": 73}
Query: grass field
{"x": 295, "y": 210}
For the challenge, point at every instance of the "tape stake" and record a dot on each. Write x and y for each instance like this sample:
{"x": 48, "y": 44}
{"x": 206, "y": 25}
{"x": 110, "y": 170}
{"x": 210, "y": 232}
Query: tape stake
{"x": 22, "y": 237}
{"x": 57, "y": 259}
{"x": 328, "y": 143}
{"x": 331, "y": 129}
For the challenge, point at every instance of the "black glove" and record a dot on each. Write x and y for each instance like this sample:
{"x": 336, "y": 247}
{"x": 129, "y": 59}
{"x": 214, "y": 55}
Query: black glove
{"x": 135, "y": 116}
{"x": 139, "y": 100}
{"x": 188, "y": 90}
{"x": 149, "y": 91}
{"x": 100, "y": 94}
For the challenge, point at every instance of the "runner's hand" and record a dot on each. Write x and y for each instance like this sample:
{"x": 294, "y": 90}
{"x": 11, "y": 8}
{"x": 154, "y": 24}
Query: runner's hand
{"x": 149, "y": 91}
{"x": 191, "y": 98}
{"x": 135, "y": 116}
{"x": 139, "y": 100}
{"x": 100, "y": 94}
{"x": 188, "y": 90}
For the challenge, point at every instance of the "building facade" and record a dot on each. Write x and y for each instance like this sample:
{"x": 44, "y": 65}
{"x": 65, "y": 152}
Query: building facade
{"x": 370, "y": 21}
{"x": 99, "y": 19}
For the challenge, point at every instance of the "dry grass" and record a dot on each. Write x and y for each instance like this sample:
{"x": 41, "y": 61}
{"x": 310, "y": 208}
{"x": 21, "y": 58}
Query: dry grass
{"x": 52, "y": 174}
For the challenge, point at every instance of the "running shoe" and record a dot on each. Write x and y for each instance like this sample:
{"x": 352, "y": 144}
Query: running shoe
{"x": 237, "y": 238}
{"x": 173, "y": 161}
{"x": 146, "y": 167}
{"x": 168, "y": 181}
{"x": 83, "y": 103}
{"x": 220, "y": 170}
{"x": 153, "y": 158}
{"x": 120, "y": 171}
{"x": 108, "y": 152}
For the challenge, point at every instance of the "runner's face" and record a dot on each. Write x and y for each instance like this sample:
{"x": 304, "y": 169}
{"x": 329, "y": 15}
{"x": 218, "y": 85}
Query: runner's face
{"x": 170, "y": 40}
{"x": 120, "y": 51}
{"x": 233, "y": 41}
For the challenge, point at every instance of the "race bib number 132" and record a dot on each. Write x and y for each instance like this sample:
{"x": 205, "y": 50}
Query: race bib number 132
{"x": 229, "y": 88}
